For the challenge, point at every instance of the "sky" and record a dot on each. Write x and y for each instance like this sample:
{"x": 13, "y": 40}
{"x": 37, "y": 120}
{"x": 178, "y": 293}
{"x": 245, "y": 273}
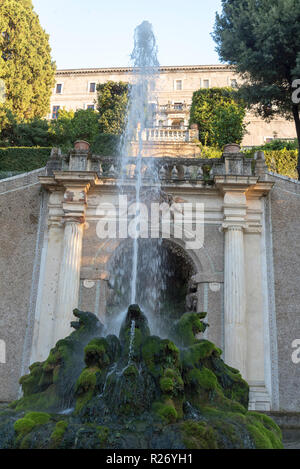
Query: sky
{"x": 99, "y": 33}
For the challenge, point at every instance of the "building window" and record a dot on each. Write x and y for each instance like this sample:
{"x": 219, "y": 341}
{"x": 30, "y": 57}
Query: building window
{"x": 233, "y": 83}
{"x": 205, "y": 83}
{"x": 178, "y": 85}
{"x": 90, "y": 106}
{"x": 178, "y": 106}
{"x": 268, "y": 139}
{"x": 55, "y": 111}
{"x": 59, "y": 88}
{"x": 92, "y": 87}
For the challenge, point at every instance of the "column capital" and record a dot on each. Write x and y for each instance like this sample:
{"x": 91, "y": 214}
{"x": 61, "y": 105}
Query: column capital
{"x": 78, "y": 219}
{"x": 227, "y": 226}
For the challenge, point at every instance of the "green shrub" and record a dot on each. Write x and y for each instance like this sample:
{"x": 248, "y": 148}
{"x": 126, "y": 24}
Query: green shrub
{"x": 106, "y": 144}
{"x": 23, "y": 159}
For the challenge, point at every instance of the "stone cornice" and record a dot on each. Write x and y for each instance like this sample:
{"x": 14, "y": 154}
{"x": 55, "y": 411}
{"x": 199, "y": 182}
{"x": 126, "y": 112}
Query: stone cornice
{"x": 168, "y": 68}
{"x": 231, "y": 183}
{"x": 64, "y": 179}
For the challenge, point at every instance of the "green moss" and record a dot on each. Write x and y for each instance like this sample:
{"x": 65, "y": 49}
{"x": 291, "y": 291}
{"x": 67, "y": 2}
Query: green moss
{"x": 85, "y": 387}
{"x": 198, "y": 435}
{"x": 194, "y": 355}
{"x": 166, "y": 384}
{"x": 87, "y": 380}
{"x": 58, "y": 432}
{"x": 96, "y": 353}
{"x": 233, "y": 385}
{"x": 187, "y": 327}
{"x": 42, "y": 401}
{"x": 165, "y": 411}
{"x": 26, "y": 424}
{"x": 131, "y": 370}
{"x": 31, "y": 383}
{"x": 265, "y": 433}
{"x": 23, "y": 426}
{"x": 203, "y": 378}
{"x": 171, "y": 382}
{"x": 267, "y": 422}
{"x": 103, "y": 433}
{"x": 261, "y": 440}
{"x": 160, "y": 354}
{"x": 39, "y": 418}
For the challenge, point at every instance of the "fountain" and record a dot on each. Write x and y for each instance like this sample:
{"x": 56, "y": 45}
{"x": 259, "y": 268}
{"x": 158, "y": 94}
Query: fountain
{"x": 121, "y": 387}
{"x": 135, "y": 391}
{"x": 145, "y": 68}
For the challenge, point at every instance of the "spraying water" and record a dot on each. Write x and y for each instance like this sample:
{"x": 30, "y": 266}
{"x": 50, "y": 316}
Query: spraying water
{"x": 145, "y": 71}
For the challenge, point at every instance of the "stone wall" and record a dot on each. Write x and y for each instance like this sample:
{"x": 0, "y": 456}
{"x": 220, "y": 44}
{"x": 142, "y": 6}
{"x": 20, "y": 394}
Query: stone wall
{"x": 20, "y": 200}
{"x": 285, "y": 215}
{"x": 24, "y": 206}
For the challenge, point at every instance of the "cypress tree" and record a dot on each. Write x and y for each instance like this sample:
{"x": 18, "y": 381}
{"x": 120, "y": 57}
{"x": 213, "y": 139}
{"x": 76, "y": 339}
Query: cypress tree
{"x": 26, "y": 68}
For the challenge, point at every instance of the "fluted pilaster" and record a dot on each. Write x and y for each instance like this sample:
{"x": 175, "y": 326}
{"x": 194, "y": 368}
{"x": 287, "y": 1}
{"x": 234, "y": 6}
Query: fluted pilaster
{"x": 69, "y": 277}
{"x": 235, "y": 299}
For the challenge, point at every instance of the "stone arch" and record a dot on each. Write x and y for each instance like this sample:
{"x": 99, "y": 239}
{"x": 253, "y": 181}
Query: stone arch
{"x": 200, "y": 258}
{"x": 194, "y": 264}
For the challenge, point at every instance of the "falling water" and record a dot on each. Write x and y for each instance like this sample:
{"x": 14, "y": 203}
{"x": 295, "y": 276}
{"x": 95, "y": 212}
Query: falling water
{"x": 132, "y": 333}
{"x": 145, "y": 70}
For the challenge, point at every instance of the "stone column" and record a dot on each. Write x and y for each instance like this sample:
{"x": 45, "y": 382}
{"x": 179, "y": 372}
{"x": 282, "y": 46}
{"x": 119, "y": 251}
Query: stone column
{"x": 235, "y": 299}
{"x": 69, "y": 277}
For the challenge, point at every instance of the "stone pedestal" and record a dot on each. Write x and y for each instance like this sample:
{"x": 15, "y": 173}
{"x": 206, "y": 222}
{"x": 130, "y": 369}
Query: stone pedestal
{"x": 235, "y": 299}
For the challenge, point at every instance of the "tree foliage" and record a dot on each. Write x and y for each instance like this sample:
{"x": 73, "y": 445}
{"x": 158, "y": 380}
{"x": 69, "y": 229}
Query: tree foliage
{"x": 261, "y": 38}
{"x": 112, "y": 100}
{"x": 64, "y": 131}
{"x": 71, "y": 126}
{"x": 219, "y": 115}
{"x": 25, "y": 60}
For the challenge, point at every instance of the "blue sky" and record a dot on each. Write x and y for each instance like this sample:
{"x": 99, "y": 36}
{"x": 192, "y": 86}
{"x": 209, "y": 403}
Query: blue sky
{"x": 99, "y": 33}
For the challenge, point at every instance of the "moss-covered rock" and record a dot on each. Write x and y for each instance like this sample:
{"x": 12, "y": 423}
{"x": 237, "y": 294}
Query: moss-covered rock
{"x": 198, "y": 435}
{"x": 166, "y": 411}
{"x": 138, "y": 391}
{"x": 58, "y": 433}
{"x": 187, "y": 327}
{"x": 50, "y": 385}
{"x": 103, "y": 433}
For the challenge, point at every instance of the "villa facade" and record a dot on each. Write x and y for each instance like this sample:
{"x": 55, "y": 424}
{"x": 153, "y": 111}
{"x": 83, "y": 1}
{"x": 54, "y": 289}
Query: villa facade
{"x": 175, "y": 85}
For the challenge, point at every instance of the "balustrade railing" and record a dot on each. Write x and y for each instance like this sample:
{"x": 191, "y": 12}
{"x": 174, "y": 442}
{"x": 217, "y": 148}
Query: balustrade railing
{"x": 171, "y": 169}
{"x": 169, "y": 134}
{"x": 154, "y": 169}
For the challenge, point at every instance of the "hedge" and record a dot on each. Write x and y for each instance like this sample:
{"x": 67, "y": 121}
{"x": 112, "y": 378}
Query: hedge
{"x": 283, "y": 162}
{"x": 14, "y": 160}
{"x": 23, "y": 159}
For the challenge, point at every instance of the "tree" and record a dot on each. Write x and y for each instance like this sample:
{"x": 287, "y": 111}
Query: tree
{"x": 71, "y": 126}
{"x": 261, "y": 38}
{"x": 219, "y": 114}
{"x": 112, "y": 100}
{"x": 25, "y": 60}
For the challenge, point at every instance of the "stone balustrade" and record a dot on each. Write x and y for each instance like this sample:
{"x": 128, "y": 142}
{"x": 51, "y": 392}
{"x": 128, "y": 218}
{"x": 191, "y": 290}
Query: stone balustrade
{"x": 163, "y": 169}
{"x": 175, "y": 169}
{"x": 167, "y": 134}
{"x": 171, "y": 108}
